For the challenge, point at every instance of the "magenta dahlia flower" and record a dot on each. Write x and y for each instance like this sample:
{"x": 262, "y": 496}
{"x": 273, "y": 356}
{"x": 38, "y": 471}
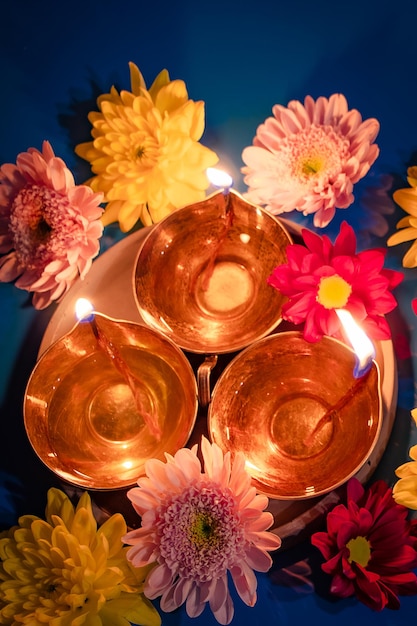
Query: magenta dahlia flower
{"x": 308, "y": 157}
{"x": 369, "y": 547}
{"x": 320, "y": 278}
{"x": 198, "y": 526}
{"x": 49, "y": 227}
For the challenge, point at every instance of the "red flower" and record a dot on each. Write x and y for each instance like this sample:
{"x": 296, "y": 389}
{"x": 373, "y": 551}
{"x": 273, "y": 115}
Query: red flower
{"x": 369, "y": 547}
{"x": 321, "y": 277}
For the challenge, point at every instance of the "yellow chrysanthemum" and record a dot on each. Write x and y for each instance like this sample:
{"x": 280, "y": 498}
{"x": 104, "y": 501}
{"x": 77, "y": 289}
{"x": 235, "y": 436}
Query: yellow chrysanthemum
{"x": 66, "y": 572}
{"x": 407, "y": 200}
{"x": 145, "y": 152}
{"x": 405, "y": 489}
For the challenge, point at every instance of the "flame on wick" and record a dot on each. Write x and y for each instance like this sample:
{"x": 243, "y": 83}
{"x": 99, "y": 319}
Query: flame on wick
{"x": 360, "y": 342}
{"x": 219, "y": 178}
{"x": 84, "y": 310}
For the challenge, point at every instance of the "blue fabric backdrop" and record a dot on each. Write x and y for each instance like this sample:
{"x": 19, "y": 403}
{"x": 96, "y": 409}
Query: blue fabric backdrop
{"x": 241, "y": 59}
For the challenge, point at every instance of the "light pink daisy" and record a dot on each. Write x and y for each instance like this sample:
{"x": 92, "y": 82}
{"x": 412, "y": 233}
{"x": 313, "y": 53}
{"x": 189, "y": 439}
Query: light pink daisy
{"x": 308, "y": 157}
{"x": 198, "y": 526}
{"x": 49, "y": 227}
{"x": 321, "y": 277}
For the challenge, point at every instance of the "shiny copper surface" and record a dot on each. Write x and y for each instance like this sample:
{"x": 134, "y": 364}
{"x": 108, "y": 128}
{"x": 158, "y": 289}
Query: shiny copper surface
{"x": 82, "y": 417}
{"x": 304, "y": 424}
{"x": 201, "y": 274}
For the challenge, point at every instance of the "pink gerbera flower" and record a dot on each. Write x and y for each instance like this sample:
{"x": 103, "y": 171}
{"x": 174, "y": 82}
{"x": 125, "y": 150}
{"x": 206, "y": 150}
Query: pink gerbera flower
{"x": 321, "y": 278}
{"x": 198, "y": 526}
{"x": 49, "y": 227}
{"x": 369, "y": 547}
{"x": 308, "y": 157}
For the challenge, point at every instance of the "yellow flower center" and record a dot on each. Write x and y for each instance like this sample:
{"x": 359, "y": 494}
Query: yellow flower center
{"x": 333, "y": 292}
{"x": 360, "y": 551}
{"x": 312, "y": 165}
{"x": 311, "y": 157}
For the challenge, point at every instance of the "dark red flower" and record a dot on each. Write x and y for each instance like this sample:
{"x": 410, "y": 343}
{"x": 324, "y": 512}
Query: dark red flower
{"x": 369, "y": 547}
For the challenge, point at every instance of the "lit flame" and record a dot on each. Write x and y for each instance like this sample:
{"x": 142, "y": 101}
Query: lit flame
{"x": 83, "y": 309}
{"x": 219, "y": 178}
{"x": 360, "y": 342}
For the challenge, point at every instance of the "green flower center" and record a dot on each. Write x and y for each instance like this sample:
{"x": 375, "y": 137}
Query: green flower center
{"x": 203, "y": 530}
{"x": 360, "y": 551}
{"x": 333, "y": 292}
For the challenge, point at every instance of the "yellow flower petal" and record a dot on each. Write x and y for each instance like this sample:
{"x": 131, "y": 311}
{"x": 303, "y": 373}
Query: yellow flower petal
{"x": 129, "y": 215}
{"x": 407, "y": 199}
{"x": 406, "y": 470}
{"x": 113, "y": 529}
{"x": 180, "y": 194}
{"x": 407, "y": 234}
{"x": 111, "y": 212}
{"x": 146, "y": 218}
{"x": 160, "y": 81}
{"x": 405, "y": 492}
{"x": 59, "y": 504}
{"x": 171, "y": 96}
{"x": 137, "y": 82}
{"x": 158, "y": 213}
{"x": 410, "y": 257}
{"x": 38, "y": 530}
{"x": 84, "y": 526}
{"x": 140, "y": 611}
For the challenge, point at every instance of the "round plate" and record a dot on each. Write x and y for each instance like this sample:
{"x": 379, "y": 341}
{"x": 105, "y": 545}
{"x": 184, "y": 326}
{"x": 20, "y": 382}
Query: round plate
{"x": 108, "y": 285}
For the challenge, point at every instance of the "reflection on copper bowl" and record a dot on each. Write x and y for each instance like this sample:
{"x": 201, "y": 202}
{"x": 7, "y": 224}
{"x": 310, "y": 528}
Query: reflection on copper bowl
{"x": 81, "y": 416}
{"x": 304, "y": 424}
{"x": 201, "y": 274}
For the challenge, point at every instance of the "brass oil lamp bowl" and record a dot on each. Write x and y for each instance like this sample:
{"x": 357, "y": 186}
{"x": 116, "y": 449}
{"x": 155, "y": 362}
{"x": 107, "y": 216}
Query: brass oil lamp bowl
{"x": 201, "y": 274}
{"x": 106, "y": 397}
{"x": 303, "y": 422}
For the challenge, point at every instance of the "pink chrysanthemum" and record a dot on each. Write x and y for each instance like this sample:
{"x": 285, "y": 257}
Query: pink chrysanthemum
{"x": 198, "y": 526}
{"x": 320, "y": 278}
{"x": 369, "y": 547}
{"x": 49, "y": 227}
{"x": 308, "y": 157}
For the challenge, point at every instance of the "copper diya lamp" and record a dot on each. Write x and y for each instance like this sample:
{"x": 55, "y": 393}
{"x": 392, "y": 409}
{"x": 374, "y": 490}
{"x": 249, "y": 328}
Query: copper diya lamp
{"x": 106, "y": 397}
{"x": 201, "y": 274}
{"x": 303, "y": 421}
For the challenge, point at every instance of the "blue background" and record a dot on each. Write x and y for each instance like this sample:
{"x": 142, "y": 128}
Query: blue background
{"x": 241, "y": 59}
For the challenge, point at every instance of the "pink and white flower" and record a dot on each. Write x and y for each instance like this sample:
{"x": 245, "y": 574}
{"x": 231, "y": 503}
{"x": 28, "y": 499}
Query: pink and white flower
{"x": 196, "y": 527}
{"x": 309, "y": 156}
{"x": 49, "y": 226}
